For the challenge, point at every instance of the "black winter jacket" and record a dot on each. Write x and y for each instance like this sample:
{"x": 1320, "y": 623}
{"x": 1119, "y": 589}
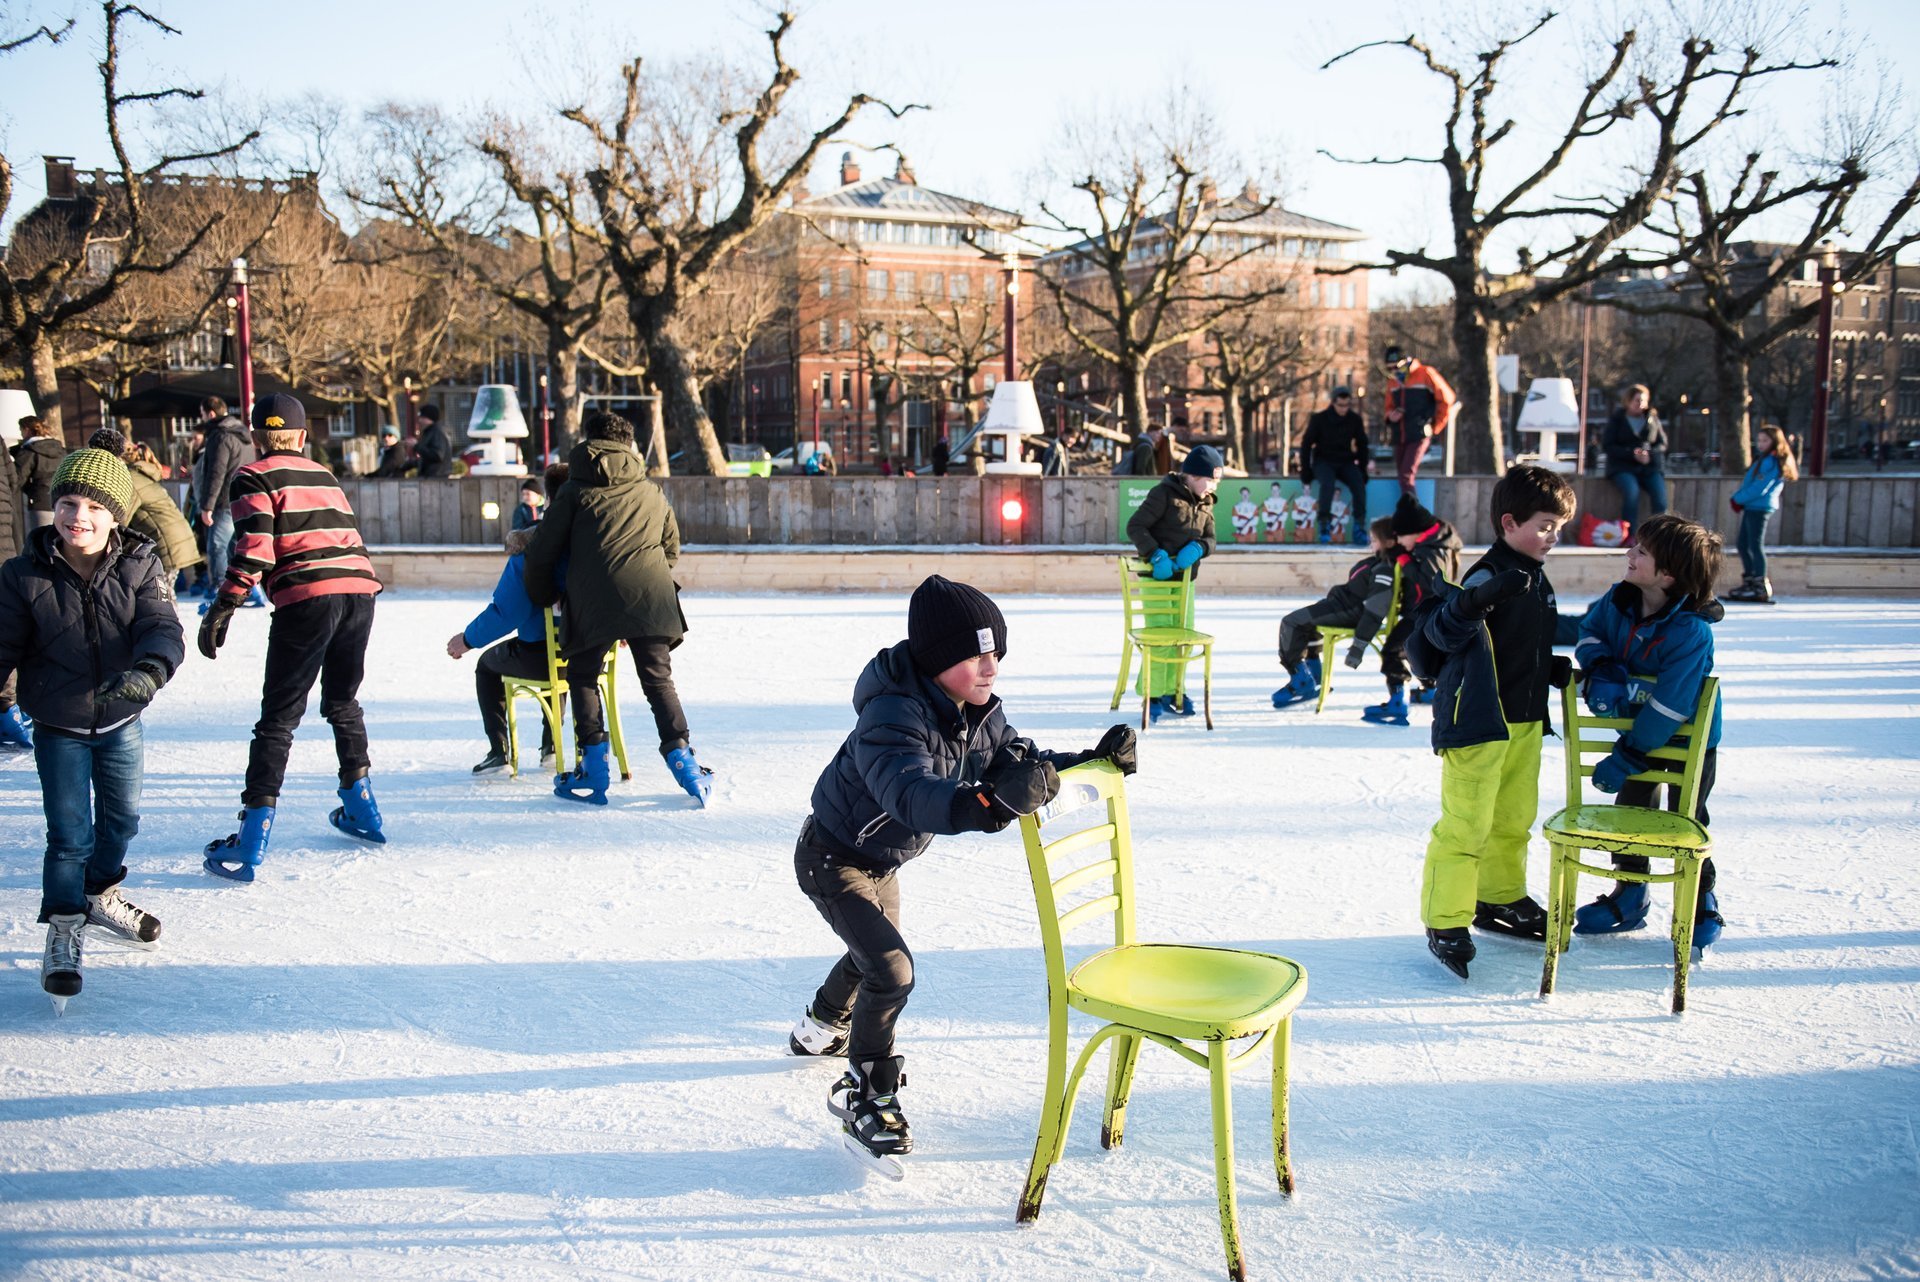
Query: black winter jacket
{"x": 1170, "y": 517}
{"x": 434, "y": 450}
{"x": 1622, "y": 441}
{"x": 1427, "y": 567}
{"x": 901, "y": 777}
{"x": 34, "y": 463}
{"x": 10, "y": 508}
{"x": 616, "y": 534}
{"x": 229, "y": 448}
{"x": 66, "y": 636}
{"x": 1333, "y": 437}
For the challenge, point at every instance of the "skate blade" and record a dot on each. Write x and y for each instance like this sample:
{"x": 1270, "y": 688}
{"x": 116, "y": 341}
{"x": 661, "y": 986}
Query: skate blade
{"x": 114, "y": 939}
{"x": 338, "y": 820}
{"x": 238, "y": 872}
{"x": 59, "y": 1005}
{"x": 1455, "y": 965}
{"x": 880, "y": 1164}
{"x": 1508, "y": 933}
{"x": 584, "y": 798}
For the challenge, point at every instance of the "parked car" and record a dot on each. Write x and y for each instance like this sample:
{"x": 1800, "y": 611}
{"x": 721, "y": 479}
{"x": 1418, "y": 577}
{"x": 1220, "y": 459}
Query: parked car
{"x": 742, "y": 460}
{"x": 794, "y": 458}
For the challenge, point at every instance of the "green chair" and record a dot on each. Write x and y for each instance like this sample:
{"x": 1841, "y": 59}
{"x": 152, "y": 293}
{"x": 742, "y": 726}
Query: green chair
{"x": 1172, "y": 994}
{"x": 1330, "y": 637}
{"x": 550, "y": 692}
{"x": 1628, "y": 830}
{"x": 1149, "y": 603}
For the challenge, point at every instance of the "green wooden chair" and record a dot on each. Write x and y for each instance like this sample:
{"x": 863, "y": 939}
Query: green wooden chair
{"x": 1172, "y": 994}
{"x": 1332, "y": 637}
{"x": 1628, "y": 830}
{"x": 550, "y": 693}
{"x": 1149, "y": 604}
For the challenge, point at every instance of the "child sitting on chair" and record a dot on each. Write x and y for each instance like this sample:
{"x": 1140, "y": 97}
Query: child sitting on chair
{"x": 1361, "y": 603}
{"x": 1646, "y": 648}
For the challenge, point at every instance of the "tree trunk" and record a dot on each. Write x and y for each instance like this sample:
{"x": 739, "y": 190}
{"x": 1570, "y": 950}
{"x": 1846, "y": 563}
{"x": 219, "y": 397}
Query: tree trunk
{"x": 656, "y": 447}
{"x": 672, "y": 374}
{"x": 563, "y": 388}
{"x": 1133, "y": 398}
{"x": 1733, "y": 403}
{"x": 43, "y": 380}
{"x": 1482, "y": 446}
{"x": 1233, "y": 411}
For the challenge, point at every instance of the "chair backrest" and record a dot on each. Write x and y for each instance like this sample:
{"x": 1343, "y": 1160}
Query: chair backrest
{"x": 1141, "y": 593}
{"x": 1058, "y": 878}
{"x": 1590, "y": 738}
{"x": 555, "y": 672}
{"x": 1392, "y": 620}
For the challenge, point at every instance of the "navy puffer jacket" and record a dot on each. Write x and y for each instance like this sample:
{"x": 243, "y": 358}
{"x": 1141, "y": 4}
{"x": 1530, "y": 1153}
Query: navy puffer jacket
{"x": 901, "y": 777}
{"x": 66, "y": 636}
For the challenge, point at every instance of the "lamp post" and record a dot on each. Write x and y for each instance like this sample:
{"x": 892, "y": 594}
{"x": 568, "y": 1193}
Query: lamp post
{"x": 546, "y": 424}
{"x": 1823, "y": 361}
{"x": 1706, "y": 435}
{"x": 1680, "y": 429}
{"x": 243, "y": 319}
{"x": 816, "y": 416}
{"x": 1010, "y": 264}
{"x": 1060, "y": 406}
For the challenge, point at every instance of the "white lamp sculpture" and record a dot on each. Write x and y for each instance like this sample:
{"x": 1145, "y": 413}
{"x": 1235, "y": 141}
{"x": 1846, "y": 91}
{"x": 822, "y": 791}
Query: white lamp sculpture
{"x": 1550, "y": 409}
{"x": 14, "y": 406}
{"x": 497, "y": 423}
{"x": 1012, "y": 414}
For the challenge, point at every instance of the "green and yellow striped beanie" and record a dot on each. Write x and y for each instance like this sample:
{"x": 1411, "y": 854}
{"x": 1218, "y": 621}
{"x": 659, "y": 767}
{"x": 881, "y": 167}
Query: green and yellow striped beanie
{"x": 97, "y": 475}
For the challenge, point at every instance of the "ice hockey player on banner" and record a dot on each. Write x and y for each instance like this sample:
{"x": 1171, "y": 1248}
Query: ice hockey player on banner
{"x": 931, "y": 754}
{"x": 294, "y": 534}
{"x": 87, "y": 616}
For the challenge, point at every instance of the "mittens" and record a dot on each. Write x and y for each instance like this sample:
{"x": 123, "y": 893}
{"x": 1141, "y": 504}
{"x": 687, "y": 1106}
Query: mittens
{"x": 1119, "y": 745}
{"x": 1162, "y": 564}
{"x": 1610, "y": 774}
{"x": 1478, "y": 601}
{"x": 1189, "y": 555}
{"x": 1605, "y": 689}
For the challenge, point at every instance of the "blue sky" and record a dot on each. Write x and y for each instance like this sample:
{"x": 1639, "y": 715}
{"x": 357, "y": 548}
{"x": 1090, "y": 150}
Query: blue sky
{"x": 999, "y": 76}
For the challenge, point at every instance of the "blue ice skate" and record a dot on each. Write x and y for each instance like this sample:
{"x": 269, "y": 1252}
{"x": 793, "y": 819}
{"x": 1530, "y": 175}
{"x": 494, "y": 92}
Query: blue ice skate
{"x": 1708, "y": 924}
{"x": 589, "y": 782}
{"x": 16, "y": 734}
{"x": 1326, "y": 534}
{"x": 358, "y": 815}
{"x": 690, "y": 774}
{"x": 1300, "y": 688}
{"x": 236, "y": 855}
{"x": 256, "y": 599}
{"x": 1621, "y": 909}
{"x": 1391, "y": 713}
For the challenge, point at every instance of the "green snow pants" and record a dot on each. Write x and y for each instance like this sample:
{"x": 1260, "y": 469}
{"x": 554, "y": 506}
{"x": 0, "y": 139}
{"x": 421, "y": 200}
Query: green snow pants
{"x": 1167, "y": 676}
{"x": 1489, "y": 797}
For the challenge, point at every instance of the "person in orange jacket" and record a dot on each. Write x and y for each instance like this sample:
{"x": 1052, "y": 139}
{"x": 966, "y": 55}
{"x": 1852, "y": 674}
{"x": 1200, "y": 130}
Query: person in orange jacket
{"x": 1420, "y": 406}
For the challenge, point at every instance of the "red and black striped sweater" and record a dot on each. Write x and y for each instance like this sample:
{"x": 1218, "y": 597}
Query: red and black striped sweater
{"x": 294, "y": 533}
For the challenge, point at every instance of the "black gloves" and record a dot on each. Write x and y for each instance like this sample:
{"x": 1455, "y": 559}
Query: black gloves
{"x": 137, "y": 685}
{"x": 1012, "y": 785}
{"x": 1118, "y": 746}
{"x": 213, "y": 628}
{"x": 1560, "y": 671}
{"x": 1478, "y": 601}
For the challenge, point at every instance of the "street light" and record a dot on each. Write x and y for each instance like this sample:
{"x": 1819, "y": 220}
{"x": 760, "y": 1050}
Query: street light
{"x": 816, "y": 416}
{"x": 1823, "y": 360}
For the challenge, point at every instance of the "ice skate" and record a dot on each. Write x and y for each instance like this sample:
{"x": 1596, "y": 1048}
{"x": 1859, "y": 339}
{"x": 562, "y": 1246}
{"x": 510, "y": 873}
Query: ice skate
{"x": 236, "y": 855}
{"x": 117, "y": 921}
{"x": 1453, "y": 946}
{"x": 1301, "y": 688}
{"x": 15, "y": 733}
{"x": 817, "y": 1038}
{"x": 1391, "y": 713}
{"x": 1708, "y": 925}
{"x": 872, "y": 1123}
{"x": 1522, "y": 919}
{"x": 588, "y": 783}
{"x": 60, "y": 963}
{"x": 493, "y": 763}
{"x": 358, "y": 815}
{"x": 1621, "y": 909}
{"x": 690, "y": 774}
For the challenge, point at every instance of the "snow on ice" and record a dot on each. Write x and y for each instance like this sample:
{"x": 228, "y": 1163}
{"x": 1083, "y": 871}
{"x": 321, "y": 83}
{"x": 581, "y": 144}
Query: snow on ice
{"x": 529, "y": 1039}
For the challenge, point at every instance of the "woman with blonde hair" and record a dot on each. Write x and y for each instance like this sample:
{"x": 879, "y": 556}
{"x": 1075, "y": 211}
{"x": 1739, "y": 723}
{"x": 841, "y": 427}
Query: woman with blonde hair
{"x": 1757, "y": 499}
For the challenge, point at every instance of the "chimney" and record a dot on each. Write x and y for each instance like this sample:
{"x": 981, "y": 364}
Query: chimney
{"x": 60, "y": 179}
{"x": 849, "y": 172}
{"x": 1209, "y": 194}
{"x": 903, "y": 172}
{"x": 1251, "y": 192}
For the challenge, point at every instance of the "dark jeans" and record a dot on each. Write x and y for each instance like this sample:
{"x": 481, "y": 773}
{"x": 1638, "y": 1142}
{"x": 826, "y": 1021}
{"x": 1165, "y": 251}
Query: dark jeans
{"x": 1300, "y": 630}
{"x": 1354, "y": 477}
{"x": 87, "y": 835}
{"x": 1752, "y": 543}
{"x": 1632, "y": 482}
{"x": 870, "y": 984}
{"x": 511, "y": 658}
{"x": 653, "y": 660}
{"x": 323, "y": 637}
{"x": 1406, "y": 461}
{"x": 1640, "y": 793}
{"x": 219, "y": 544}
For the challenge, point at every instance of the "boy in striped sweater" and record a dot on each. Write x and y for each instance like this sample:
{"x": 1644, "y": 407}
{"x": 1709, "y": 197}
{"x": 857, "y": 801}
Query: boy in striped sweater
{"x": 294, "y": 534}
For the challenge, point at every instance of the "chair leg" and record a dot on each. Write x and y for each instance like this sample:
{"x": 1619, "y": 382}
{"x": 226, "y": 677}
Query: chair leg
{"x": 1206, "y": 689}
{"x": 1686, "y": 894}
{"x": 1126, "y": 668}
{"x": 1047, "y": 1146}
{"x": 513, "y": 737}
{"x": 1146, "y": 687}
{"x": 1222, "y": 1091}
{"x": 1557, "y": 910}
{"x": 615, "y": 739}
{"x": 551, "y": 708}
{"x": 1126, "y": 1051}
{"x": 1282, "y": 1154}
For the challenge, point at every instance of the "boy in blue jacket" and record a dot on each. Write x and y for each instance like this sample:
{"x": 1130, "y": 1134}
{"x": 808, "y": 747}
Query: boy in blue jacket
{"x": 932, "y": 754}
{"x": 1646, "y": 648}
{"x": 1490, "y": 645}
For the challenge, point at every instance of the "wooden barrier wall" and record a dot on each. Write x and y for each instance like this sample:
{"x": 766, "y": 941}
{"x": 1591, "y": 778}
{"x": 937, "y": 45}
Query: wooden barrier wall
{"x": 860, "y": 511}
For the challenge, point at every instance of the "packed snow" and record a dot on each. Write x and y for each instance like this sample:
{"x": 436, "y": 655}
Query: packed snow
{"x": 531, "y": 1039}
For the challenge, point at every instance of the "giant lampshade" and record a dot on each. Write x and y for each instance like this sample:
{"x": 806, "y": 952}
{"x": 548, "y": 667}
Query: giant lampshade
{"x": 14, "y": 406}
{"x": 497, "y": 423}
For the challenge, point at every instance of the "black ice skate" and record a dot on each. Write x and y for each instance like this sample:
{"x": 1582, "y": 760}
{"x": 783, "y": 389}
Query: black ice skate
{"x": 60, "y": 963}
{"x": 874, "y": 1126}
{"x": 817, "y": 1037}
{"x": 1453, "y": 946}
{"x": 1523, "y": 919}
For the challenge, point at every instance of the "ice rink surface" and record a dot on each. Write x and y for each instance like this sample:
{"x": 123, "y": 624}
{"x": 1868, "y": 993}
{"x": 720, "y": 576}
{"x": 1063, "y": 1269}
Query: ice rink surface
{"x": 529, "y": 1039}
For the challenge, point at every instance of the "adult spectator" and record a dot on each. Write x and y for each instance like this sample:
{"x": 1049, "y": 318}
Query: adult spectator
{"x": 942, "y": 455}
{"x": 229, "y": 448}
{"x": 35, "y": 459}
{"x": 1420, "y": 406}
{"x": 1334, "y": 452}
{"x": 10, "y": 508}
{"x": 1056, "y": 459}
{"x": 435, "y": 449}
{"x": 153, "y": 513}
{"x": 1145, "y": 458}
{"x": 394, "y": 459}
{"x": 1636, "y": 449}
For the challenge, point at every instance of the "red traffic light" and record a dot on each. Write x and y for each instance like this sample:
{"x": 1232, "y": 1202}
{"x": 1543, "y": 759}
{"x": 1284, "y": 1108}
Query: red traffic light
{"x": 1011, "y": 511}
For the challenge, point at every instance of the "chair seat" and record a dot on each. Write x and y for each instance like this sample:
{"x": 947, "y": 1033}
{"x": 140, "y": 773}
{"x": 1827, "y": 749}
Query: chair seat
{"x": 1170, "y": 636}
{"x": 1619, "y": 827}
{"x": 1188, "y": 992}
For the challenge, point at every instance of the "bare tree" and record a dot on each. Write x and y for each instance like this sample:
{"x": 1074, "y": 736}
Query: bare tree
{"x": 1258, "y": 355}
{"x": 681, "y": 183}
{"x": 1682, "y": 104}
{"x": 406, "y": 318}
{"x": 52, "y": 284}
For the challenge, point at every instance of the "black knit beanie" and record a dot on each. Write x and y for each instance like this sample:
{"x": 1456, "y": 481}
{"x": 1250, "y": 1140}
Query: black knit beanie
{"x": 1411, "y": 518}
{"x": 948, "y": 622}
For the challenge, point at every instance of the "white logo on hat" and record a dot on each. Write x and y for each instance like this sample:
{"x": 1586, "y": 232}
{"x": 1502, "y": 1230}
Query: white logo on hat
{"x": 985, "y": 637}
